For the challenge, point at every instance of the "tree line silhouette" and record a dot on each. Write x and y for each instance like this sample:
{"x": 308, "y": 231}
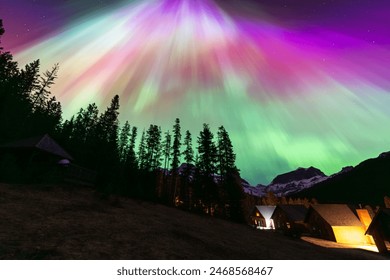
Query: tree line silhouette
{"x": 152, "y": 164}
{"x": 27, "y": 106}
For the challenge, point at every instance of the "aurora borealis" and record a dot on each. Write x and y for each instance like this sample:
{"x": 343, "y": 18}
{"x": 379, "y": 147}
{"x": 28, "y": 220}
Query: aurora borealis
{"x": 295, "y": 83}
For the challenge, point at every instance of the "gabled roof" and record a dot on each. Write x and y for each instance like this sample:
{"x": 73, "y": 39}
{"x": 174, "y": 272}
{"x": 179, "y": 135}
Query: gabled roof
{"x": 294, "y": 212}
{"x": 44, "y": 143}
{"x": 337, "y": 214}
{"x": 266, "y": 211}
{"x": 381, "y": 219}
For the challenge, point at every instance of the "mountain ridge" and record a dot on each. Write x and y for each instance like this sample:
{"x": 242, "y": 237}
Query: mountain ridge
{"x": 372, "y": 173}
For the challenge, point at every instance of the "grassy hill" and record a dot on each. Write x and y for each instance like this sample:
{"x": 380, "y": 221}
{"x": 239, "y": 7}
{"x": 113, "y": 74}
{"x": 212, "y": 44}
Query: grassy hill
{"x": 53, "y": 222}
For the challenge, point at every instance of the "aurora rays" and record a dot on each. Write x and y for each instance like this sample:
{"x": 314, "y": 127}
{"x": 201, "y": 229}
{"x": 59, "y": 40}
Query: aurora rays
{"x": 291, "y": 90}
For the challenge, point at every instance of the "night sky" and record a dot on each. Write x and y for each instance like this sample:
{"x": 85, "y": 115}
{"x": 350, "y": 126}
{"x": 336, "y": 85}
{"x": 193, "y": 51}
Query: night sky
{"x": 295, "y": 82}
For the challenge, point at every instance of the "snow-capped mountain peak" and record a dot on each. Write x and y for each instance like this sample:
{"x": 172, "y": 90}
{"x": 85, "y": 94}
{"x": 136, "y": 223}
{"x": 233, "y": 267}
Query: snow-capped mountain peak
{"x": 289, "y": 183}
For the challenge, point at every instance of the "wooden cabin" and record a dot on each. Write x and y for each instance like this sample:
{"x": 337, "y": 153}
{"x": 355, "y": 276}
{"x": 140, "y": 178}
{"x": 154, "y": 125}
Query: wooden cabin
{"x": 379, "y": 229}
{"x": 290, "y": 219}
{"x": 364, "y": 217}
{"x": 32, "y": 159}
{"x": 336, "y": 222}
{"x": 261, "y": 217}
{"x": 40, "y": 160}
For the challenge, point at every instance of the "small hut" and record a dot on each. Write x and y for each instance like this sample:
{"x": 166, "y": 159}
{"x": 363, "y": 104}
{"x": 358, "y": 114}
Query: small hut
{"x": 336, "y": 222}
{"x": 32, "y": 159}
{"x": 261, "y": 217}
{"x": 379, "y": 229}
{"x": 290, "y": 219}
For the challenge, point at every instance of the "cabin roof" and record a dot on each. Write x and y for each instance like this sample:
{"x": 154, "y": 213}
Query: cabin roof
{"x": 381, "y": 219}
{"x": 44, "y": 143}
{"x": 295, "y": 212}
{"x": 337, "y": 214}
{"x": 266, "y": 211}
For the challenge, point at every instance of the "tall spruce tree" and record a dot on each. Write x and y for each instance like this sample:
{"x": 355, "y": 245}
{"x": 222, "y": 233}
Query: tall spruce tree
{"x": 79, "y": 130}
{"x": 226, "y": 156}
{"x": 106, "y": 156}
{"x": 67, "y": 129}
{"x": 142, "y": 155}
{"x": 46, "y": 112}
{"x": 188, "y": 152}
{"x": 167, "y": 149}
{"x": 53, "y": 112}
{"x": 85, "y": 122}
{"x": 176, "y": 145}
{"x": 153, "y": 147}
{"x": 108, "y": 123}
{"x": 42, "y": 92}
{"x": 131, "y": 160}
{"x": 207, "y": 152}
{"x": 231, "y": 193}
{"x": 24, "y": 122}
{"x": 205, "y": 187}
{"x": 90, "y": 120}
{"x": 84, "y": 141}
{"x": 29, "y": 80}
{"x": 26, "y": 108}
{"x": 123, "y": 142}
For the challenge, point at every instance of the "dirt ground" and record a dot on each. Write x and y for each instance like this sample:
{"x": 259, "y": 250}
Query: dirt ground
{"x": 53, "y": 222}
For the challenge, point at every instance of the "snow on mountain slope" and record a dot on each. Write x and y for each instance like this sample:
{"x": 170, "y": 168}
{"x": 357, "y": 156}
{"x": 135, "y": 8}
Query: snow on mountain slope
{"x": 259, "y": 190}
{"x": 288, "y": 183}
{"x": 294, "y": 186}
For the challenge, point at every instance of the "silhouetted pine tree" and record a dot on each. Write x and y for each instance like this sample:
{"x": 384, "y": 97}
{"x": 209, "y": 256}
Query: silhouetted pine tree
{"x": 89, "y": 121}
{"x": 149, "y": 158}
{"x": 207, "y": 152}
{"x": 131, "y": 160}
{"x": 106, "y": 144}
{"x": 67, "y": 129}
{"x": 188, "y": 154}
{"x": 84, "y": 139}
{"x": 41, "y": 92}
{"x": 167, "y": 149}
{"x": 108, "y": 123}
{"x": 53, "y": 111}
{"x": 15, "y": 106}
{"x": 46, "y": 115}
{"x": 162, "y": 184}
{"x": 142, "y": 155}
{"x": 9, "y": 100}
{"x": 226, "y": 156}
{"x": 123, "y": 142}
{"x": 26, "y": 108}
{"x": 15, "y": 87}
{"x": 176, "y": 145}
{"x": 153, "y": 147}
{"x": 130, "y": 174}
{"x": 207, "y": 189}
{"x": 29, "y": 80}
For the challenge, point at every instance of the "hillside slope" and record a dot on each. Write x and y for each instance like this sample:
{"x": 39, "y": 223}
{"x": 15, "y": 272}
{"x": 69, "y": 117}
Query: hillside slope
{"x": 69, "y": 223}
{"x": 366, "y": 183}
